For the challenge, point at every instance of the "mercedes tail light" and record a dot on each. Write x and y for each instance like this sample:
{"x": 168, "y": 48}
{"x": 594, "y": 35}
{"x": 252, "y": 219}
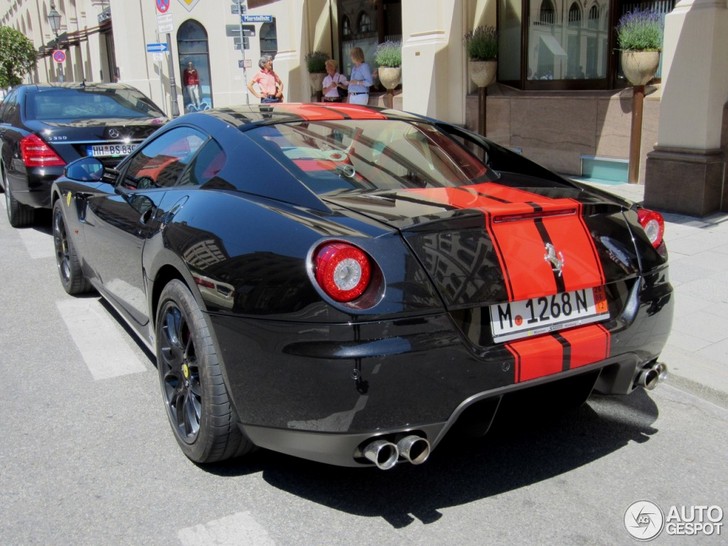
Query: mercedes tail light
{"x": 343, "y": 271}
{"x": 36, "y": 153}
{"x": 654, "y": 225}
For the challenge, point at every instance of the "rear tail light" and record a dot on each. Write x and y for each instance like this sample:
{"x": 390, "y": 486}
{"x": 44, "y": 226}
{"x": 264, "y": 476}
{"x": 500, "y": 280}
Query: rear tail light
{"x": 36, "y": 153}
{"x": 654, "y": 225}
{"x": 343, "y": 271}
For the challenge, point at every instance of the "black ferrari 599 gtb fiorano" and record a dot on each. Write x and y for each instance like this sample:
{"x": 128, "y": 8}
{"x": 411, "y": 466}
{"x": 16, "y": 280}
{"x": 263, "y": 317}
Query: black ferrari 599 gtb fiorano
{"x": 346, "y": 284}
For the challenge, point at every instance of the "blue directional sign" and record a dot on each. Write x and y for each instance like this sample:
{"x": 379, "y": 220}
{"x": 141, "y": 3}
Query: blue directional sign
{"x": 256, "y": 18}
{"x": 160, "y": 47}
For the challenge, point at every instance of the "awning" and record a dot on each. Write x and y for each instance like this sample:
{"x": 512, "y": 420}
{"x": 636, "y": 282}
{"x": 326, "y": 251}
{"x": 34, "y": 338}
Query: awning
{"x": 553, "y": 45}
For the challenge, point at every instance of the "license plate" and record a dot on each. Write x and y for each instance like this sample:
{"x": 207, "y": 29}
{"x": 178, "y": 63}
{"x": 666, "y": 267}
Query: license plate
{"x": 110, "y": 150}
{"x": 525, "y": 318}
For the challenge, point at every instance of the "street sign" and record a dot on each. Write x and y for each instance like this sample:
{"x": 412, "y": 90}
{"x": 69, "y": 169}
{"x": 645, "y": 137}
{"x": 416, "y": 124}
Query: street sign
{"x": 256, "y": 18}
{"x": 234, "y": 30}
{"x": 59, "y": 56}
{"x": 162, "y": 6}
{"x": 236, "y": 43}
{"x": 165, "y": 23}
{"x": 160, "y": 47}
{"x": 236, "y": 8}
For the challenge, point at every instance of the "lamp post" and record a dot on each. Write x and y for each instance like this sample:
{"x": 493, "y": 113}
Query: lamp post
{"x": 54, "y": 20}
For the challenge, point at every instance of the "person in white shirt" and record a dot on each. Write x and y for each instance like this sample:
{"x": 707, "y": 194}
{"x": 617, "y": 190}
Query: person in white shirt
{"x": 333, "y": 82}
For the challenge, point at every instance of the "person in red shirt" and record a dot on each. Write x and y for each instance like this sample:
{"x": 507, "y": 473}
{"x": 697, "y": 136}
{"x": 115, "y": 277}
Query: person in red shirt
{"x": 191, "y": 81}
{"x": 269, "y": 85}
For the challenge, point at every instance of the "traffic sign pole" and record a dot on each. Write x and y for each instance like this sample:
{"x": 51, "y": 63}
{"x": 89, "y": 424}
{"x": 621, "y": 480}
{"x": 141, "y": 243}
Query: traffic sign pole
{"x": 172, "y": 83}
{"x": 243, "y": 8}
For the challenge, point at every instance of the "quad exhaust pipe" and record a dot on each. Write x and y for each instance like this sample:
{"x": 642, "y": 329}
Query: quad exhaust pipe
{"x": 385, "y": 454}
{"x": 650, "y": 377}
{"x": 382, "y": 453}
{"x": 414, "y": 449}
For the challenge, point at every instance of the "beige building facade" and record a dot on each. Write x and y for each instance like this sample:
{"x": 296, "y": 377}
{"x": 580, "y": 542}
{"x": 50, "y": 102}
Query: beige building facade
{"x": 151, "y": 43}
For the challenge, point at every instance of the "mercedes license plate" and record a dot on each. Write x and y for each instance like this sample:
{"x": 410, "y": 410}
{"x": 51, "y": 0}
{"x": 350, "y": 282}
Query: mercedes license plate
{"x": 110, "y": 150}
{"x": 525, "y": 318}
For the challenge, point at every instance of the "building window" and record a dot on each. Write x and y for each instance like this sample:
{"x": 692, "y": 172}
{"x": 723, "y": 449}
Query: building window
{"x": 194, "y": 59}
{"x": 268, "y": 39}
{"x": 563, "y": 44}
{"x": 594, "y": 16}
{"x": 345, "y": 27}
{"x": 364, "y": 25}
{"x": 574, "y": 15}
{"x": 547, "y": 15}
{"x": 376, "y": 22}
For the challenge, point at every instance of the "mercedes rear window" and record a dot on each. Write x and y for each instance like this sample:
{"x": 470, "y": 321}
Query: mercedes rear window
{"x": 80, "y": 104}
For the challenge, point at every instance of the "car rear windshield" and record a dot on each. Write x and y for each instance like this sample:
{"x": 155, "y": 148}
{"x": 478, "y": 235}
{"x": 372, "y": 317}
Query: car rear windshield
{"x": 334, "y": 156}
{"x": 79, "y": 104}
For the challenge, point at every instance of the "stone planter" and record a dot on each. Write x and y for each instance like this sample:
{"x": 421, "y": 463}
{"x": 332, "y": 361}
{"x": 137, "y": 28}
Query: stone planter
{"x": 639, "y": 67}
{"x": 317, "y": 81}
{"x": 390, "y": 76}
{"x": 483, "y": 73}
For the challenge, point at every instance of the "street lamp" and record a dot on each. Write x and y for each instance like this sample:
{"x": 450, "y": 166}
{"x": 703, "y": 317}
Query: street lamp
{"x": 54, "y": 20}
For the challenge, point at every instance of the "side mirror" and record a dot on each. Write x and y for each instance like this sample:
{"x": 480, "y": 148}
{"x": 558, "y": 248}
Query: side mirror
{"x": 86, "y": 169}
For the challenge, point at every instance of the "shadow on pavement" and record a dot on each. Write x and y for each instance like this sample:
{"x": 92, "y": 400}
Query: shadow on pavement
{"x": 525, "y": 446}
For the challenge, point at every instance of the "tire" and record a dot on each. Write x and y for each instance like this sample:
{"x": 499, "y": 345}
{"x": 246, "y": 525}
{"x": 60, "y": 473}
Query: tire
{"x": 19, "y": 215}
{"x": 195, "y": 396}
{"x": 69, "y": 266}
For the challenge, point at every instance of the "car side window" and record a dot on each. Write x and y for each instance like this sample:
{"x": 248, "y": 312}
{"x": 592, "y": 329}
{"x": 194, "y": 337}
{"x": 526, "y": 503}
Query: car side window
{"x": 9, "y": 108}
{"x": 160, "y": 163}
{"x": 205, "y": 166}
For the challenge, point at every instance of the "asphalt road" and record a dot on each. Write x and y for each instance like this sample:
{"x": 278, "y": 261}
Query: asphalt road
{"x": 87, "y": 457}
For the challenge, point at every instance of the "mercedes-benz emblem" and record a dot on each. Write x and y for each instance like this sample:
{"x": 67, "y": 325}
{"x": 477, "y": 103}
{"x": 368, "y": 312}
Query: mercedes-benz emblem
{"x": 114, "y": 133}
{"x": 555, "y": 258}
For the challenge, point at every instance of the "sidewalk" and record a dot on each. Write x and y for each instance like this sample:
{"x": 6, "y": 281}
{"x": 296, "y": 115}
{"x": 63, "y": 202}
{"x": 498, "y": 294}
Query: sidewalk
{"x": 697, "y": 350}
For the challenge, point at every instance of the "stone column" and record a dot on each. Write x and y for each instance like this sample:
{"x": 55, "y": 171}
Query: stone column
{"x": 685, "y": 172}
{"x": 433, "y": 58}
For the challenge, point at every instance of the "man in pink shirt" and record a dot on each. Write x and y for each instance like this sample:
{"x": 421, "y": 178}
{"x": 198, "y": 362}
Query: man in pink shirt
{"x": 270, "y": 86}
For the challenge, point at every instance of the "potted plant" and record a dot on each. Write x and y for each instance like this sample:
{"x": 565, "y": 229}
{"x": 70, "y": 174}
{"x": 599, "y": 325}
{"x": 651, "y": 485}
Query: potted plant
{"x": 316, "y": 65}
{"x": 388, "y": 57}
{"x": 639, "y": 35}
{"x": 482, "y": 46}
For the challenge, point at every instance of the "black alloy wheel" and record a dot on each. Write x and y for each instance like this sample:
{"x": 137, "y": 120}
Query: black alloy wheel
{"x": 69, "y": 266}
{"x": 200, "y": 413}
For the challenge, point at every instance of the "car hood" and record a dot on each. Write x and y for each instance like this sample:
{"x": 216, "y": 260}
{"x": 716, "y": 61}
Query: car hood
{"x": 488, "y": 243}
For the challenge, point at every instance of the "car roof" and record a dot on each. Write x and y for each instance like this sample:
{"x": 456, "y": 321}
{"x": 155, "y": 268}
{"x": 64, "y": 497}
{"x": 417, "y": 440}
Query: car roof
{"x": 75, "y": 86}
{"x": 248, "y": 116}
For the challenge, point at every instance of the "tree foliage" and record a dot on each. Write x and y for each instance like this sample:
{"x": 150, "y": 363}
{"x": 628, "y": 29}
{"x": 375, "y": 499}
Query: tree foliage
{"x": 18, "y": 56}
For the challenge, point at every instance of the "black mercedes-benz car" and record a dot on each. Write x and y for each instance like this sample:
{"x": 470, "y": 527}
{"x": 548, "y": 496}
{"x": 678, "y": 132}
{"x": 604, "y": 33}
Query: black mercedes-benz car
{"x": 347, "y": 284}
{"x": 44, "y": 127}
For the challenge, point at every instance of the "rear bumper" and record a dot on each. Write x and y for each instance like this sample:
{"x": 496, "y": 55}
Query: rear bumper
{"x": 33, "y": 188}
{"x": 320, "y": 391}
